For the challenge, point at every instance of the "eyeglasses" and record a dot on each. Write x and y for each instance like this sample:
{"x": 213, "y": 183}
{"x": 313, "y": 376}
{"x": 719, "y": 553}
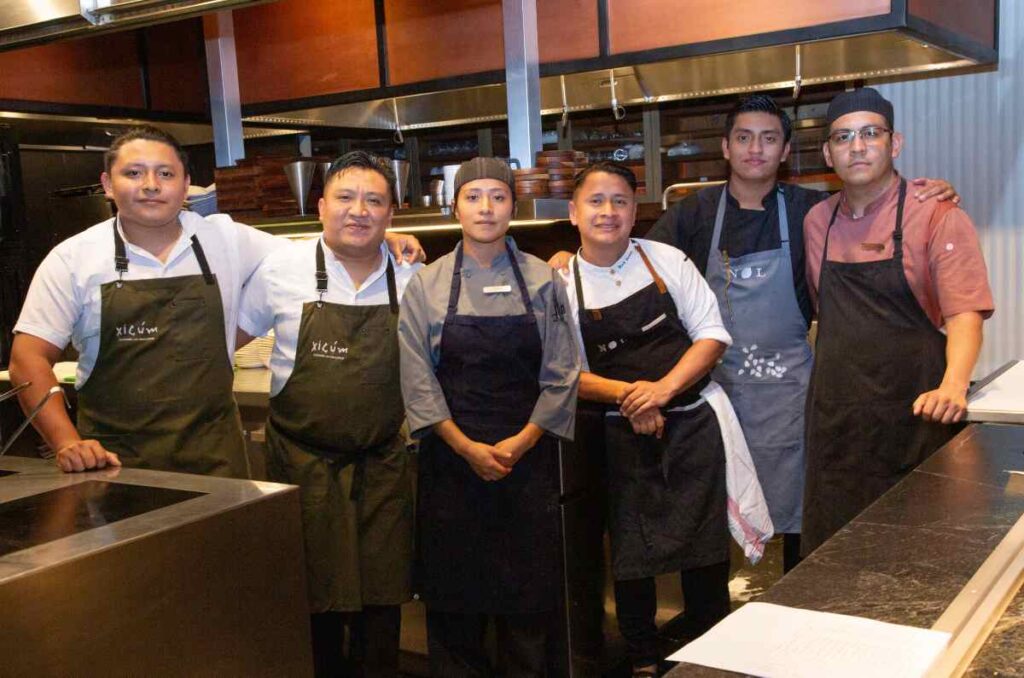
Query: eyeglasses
{"x": 869, "y": 134}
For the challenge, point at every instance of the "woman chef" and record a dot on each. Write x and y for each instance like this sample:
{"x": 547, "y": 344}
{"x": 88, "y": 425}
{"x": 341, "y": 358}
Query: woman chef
{"x": 489, "y": 376}
{"x": 335, "y": 424}
{"x": 650, "y": 331}
{"x": 149, "y": 299}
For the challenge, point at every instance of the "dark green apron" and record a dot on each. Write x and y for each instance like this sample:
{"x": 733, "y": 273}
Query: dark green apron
{"x": 160, "y": 394}
{"x": 335, "y": 430}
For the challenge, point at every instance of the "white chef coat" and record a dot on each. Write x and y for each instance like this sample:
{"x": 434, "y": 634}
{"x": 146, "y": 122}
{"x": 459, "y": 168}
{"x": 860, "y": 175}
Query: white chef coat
{"x": 286, "y": 280}
{"x": 64, "y": 299}
{"x": 603, "y": 286}
{"x": 699, "y": 314}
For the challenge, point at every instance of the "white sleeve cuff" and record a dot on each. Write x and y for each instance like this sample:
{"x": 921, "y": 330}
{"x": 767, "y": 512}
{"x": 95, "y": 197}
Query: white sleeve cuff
{"x": 718, "y": 333}
{"x": 44, "y": 333}
{"x": 251, "y": 328}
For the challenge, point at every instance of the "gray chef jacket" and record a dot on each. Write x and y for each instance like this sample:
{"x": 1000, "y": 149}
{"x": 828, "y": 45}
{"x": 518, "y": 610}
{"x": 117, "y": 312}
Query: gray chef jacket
{"x": 425, "y": 305}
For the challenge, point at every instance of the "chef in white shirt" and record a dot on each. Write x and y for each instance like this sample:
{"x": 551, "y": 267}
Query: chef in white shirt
{"x": 149, "y": 299}
{"x": 650, "y": 332}
{"x": 336, "y": 413}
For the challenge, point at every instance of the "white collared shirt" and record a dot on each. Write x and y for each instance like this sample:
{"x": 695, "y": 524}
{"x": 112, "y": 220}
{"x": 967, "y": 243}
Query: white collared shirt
{"x": 286, "y": 280}
{"x": 64, "y": 300}
{"x": 603, "y": 286}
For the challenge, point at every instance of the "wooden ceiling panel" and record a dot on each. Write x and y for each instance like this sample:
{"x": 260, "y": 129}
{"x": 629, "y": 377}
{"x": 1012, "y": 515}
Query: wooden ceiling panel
{"x": 637, "y": 25}
{"x": 292, "y": 49}
{"x": 102, "y": 71}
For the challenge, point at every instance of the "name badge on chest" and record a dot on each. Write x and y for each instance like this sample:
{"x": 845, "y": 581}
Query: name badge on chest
{"x": 497, "y": 289}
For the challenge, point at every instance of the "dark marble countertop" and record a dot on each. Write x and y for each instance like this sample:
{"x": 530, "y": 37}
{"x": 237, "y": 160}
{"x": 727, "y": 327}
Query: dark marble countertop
{"x": 907, "y": 556}
{"x": 1003, "y": 654}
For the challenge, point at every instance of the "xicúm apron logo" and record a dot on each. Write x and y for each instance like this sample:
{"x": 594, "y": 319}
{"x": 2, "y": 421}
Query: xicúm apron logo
{"x": 139, "y": 331}
{"x": 331, "y": 350}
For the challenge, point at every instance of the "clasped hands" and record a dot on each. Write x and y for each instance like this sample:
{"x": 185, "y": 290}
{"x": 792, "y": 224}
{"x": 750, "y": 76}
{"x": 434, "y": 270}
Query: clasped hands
{"x": 641, "y": 403}
{"x": 494, "y": 462}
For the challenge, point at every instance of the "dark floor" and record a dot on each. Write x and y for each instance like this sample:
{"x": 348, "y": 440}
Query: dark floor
{"x": 747, "y": 581}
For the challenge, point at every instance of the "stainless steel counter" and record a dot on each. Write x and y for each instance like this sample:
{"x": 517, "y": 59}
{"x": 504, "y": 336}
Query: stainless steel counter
{"x": 145, "y": 573}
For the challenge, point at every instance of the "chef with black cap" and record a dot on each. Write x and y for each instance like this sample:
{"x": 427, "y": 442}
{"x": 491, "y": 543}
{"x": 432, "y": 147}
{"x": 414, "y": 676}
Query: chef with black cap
{"x": 901, "y": 292}
{"x": 489, "y": 374}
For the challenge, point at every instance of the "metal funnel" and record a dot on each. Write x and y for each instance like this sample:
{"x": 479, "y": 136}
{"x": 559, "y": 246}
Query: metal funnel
{"x": 325, "y": 167}
{"x": 401, "y": 170}
{"x": 449, "y": 183}
{"x": 300, "y": 178}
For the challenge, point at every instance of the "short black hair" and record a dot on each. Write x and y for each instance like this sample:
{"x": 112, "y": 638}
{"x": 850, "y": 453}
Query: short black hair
{"x": 759, "y": 103}
{"x": 364, "y": 160}
{"x": 608, "y": 167}
{"x": 146, "y": 133}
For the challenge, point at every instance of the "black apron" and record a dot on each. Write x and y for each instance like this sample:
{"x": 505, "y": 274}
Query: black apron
{"x": 666, "y": 498}
{"x": 876, "y": 353}
{"x": 489, "y": 547}
{"x": 160, "y": 394}
{"x": 335, "y": 430}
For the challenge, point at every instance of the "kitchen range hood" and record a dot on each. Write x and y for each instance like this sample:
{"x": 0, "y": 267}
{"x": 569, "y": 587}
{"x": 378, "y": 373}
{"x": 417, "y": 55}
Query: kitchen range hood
{"x": 783, "y": 67}
{"x": 27, "y": 22}
{"x": 41, "y": 131}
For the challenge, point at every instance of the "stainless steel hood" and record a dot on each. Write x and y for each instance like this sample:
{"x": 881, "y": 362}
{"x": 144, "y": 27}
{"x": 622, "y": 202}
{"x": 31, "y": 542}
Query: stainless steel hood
{"x": 80, "y": 133}
{"x": 869, "y": 56}
{"x": 25, "y": 22}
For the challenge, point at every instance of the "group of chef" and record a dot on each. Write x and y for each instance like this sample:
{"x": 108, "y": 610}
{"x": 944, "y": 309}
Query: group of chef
{"x": 481, "y": 355}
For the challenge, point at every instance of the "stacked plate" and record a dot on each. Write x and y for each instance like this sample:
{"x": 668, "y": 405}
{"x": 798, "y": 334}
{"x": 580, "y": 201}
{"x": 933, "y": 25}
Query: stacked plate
{"x": 561, "y": 168}
{"x": 553, "y": 177}
{"x": 531, "y": 182}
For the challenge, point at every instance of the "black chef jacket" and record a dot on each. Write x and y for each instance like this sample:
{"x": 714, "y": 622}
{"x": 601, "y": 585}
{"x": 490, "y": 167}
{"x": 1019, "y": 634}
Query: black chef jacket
{"x": 690, "y": 223}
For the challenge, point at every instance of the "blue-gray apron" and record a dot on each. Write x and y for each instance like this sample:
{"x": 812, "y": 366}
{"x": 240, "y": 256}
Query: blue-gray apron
{"x": 767, "y": 369}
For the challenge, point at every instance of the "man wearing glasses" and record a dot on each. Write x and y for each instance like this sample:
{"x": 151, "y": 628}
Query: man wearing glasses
{"x": 746, "y": 238}
{"x": 901, "y": 292}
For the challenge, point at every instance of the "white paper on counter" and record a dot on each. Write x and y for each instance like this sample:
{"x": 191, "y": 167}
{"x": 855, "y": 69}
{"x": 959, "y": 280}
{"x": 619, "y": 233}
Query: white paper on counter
{"x": 773, "y": 641}
{"x": 1003, "y": 395}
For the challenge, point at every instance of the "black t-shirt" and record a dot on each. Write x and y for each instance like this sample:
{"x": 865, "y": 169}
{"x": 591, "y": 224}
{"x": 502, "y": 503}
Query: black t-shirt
{"x": 690, "y": 223}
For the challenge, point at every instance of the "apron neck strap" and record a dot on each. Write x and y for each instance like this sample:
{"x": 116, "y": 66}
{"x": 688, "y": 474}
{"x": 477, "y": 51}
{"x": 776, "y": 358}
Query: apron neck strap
{"x": 520, "y": 281}
{"x": 780, "y": 196}
{"x": 121, "y": 257}
{"x": 321, "y": 278}
{"x": 662, "y": 289}
{"x": 389, "y": 273}
{"x": 595, "y": 313}
{"x": 456, "y": 289}
{"x": 897, "y": 233}
{"x": 716, "y": 235}
{"x": 120, "y": 253}
{"x": 204, "y": 267}
{"x": 321, "y": 273}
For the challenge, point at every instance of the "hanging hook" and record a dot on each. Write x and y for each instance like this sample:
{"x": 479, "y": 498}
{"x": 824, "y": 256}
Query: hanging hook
{"x": 565, "y": 107}
{"x": 617, "y": 111}
{"x": 399, "y": 139}
{"x": 798, "y": 77}
{"x": 648, "y": 97}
